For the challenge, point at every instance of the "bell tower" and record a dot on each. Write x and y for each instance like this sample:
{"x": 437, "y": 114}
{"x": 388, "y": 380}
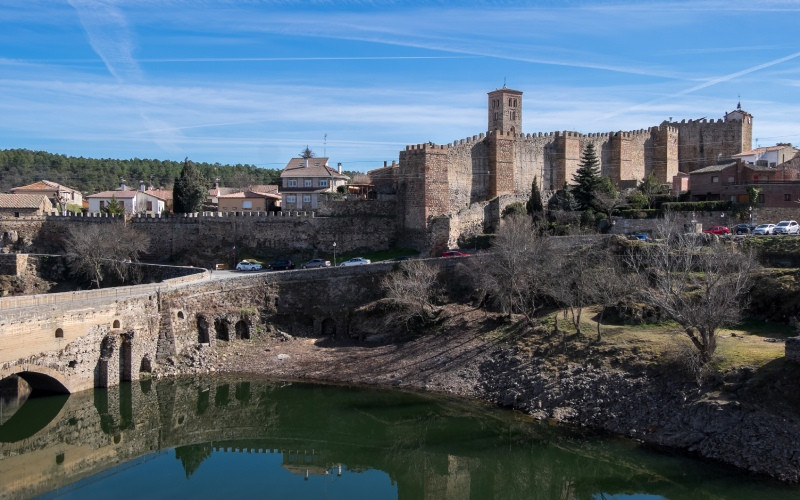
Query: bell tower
{"x": 505, "y": 111}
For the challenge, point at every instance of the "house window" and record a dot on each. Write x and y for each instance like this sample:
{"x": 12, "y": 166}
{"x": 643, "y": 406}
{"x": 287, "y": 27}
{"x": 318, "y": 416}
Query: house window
{"x": 102, "y": 204}
{"x": 306, "y": 198}
{"x": 715, "y": 179}
{"x": 292, "y": 183}
{"x": 787, "y": 197}
{"x": 731, "y": 180}
{"x": 291, "y": 198}
{"x": 307, "y": 183}
{"x": 247, "y": 205}
{"x": 323, "y": 183}
{"x": 149, "y": 206}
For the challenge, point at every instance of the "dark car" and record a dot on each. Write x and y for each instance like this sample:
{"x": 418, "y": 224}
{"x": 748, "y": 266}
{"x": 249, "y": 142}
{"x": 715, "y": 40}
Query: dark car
{"x": 743, "y": 229}
{"x": 454, "y": 253}
{"x": 281, "y": 265}
{"x": 316, "y": 263}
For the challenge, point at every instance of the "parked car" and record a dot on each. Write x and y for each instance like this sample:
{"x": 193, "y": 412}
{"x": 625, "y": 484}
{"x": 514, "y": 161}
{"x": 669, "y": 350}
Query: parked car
{"x": 764, "y": 229}
{"x": 743, "y": 228}
{"x": 786, "y": 227}
{"x": 246, "y": 265}
{"x": 316, "y": 263}
{"x": 718, "y": 230}
{"x": 639, "y": 236}
{"x": 281, "y": 265}
{"x": 356, "y": 261}
{"x": 454, "y": 253}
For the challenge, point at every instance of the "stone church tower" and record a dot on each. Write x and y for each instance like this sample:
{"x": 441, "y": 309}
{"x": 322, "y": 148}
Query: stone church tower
{"x": 505, "y": 111}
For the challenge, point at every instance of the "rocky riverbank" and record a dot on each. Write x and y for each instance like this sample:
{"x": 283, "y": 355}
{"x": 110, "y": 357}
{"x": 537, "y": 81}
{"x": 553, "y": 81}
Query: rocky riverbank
{"x": 740, "y": 418}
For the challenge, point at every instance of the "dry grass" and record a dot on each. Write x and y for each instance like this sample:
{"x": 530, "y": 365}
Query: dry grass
{"x": 752, "y": 344}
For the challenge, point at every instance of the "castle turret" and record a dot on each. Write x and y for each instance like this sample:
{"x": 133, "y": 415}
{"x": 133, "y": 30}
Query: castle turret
{"x": 505, "y": 111}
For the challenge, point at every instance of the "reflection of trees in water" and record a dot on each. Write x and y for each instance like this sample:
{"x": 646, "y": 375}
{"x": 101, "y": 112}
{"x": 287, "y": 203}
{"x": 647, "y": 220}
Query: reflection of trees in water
{"x": 192, "y": 456}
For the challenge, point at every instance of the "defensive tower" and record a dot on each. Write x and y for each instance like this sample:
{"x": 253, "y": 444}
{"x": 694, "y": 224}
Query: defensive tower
{"x": 505, "y": 111}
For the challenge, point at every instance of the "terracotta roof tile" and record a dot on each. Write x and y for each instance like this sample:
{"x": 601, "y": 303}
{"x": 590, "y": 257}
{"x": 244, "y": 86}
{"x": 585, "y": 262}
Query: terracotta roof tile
{"x": 22, "y": 200}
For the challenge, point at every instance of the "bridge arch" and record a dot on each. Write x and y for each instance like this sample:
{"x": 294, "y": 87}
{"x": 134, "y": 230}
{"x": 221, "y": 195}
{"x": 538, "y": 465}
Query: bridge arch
{"x": 43, "y": 380}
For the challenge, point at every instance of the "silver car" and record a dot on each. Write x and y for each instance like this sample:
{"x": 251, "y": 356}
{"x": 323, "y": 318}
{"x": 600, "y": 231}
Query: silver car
{"x": 764, "y": 229}
{"x": 356, "y": 261}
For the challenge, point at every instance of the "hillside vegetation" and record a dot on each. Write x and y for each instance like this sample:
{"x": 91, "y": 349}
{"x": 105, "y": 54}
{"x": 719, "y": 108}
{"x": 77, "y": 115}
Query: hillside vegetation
{"x": 19, "y": 167}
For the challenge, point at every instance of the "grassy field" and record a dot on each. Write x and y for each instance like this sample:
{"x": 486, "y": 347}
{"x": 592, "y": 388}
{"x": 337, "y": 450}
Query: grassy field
{"x": 751, "y": 344}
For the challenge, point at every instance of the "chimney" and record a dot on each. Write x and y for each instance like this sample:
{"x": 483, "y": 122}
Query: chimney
{"x": 142, "y": 187}
{"x": 339, "y": 167}
{"x": 122, "y": 186}
{"x": 384, "y": 163}
{"x": 305, "y": 163}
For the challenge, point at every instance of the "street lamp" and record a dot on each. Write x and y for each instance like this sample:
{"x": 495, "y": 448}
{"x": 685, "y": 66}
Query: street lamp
{"x": 334, "y": 254}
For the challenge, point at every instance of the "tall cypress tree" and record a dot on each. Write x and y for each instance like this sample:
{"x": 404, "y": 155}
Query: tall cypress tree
{"x": 534, "y": 206}
{"x": 190, "y": 189}
{"x": 586, "y": 178}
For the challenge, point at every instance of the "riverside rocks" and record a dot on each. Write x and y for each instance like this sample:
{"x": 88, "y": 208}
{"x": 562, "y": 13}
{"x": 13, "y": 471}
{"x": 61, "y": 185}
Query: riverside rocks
{"x": 734, "y": 420}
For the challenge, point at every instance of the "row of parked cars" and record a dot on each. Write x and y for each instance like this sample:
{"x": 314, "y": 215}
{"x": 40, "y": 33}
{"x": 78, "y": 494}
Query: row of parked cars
{"x": 286, "y": 264}
{"x": 782, "y": 227}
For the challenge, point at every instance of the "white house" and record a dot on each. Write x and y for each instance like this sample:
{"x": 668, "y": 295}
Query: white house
{"x": 770, "y": 156}
{"x": 305, "y": 179}
{"x": 132, "y": 201}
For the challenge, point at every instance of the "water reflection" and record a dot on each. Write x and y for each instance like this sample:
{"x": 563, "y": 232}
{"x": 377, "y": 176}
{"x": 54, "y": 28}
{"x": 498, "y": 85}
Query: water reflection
{"x": 245, "y": 437}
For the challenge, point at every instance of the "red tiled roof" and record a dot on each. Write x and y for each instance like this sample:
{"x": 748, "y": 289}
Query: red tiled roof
{"x": 116, "y": 194}
{"x": 250, "y": 194}
{"x": 43, "y": 185}
{"x": 22, "y": 200}
{"x": 317, "y": 167}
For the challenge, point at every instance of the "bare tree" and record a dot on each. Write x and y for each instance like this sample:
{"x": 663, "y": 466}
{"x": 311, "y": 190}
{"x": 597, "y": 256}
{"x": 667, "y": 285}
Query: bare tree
{"x": 570, "y": 281}
{"x": 696, "y": 281}
{"x": 95, "y": 250}
{"x": 606, "y": 283}
{"x": 412, "y": 288}
{"x": 512, "y": 272}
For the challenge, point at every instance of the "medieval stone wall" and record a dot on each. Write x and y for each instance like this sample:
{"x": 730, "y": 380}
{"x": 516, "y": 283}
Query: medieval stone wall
{"x": 204, "y": 240}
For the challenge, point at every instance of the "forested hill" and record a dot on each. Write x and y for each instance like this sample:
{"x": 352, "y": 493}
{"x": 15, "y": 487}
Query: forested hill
{"x": 19, "y": 167}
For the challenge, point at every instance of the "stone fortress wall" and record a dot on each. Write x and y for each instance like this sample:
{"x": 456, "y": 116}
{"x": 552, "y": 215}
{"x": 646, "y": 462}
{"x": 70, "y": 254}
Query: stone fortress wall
{"x": 203, "y": 239}
{"x": 451, "y": 180}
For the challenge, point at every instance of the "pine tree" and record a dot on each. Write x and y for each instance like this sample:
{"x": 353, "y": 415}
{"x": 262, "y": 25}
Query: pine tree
{"x": 114, "y": 207}
{"x": 190, "y": 189}
{"x": 534, "y": 206}
{"x": 586, "y": 178}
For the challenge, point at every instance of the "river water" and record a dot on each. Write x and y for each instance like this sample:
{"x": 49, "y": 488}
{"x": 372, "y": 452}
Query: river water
{"x": 237, "y": 438}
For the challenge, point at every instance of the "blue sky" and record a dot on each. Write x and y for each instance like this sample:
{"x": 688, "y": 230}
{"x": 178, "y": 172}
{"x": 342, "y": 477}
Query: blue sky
{"x": 256, "y": 81}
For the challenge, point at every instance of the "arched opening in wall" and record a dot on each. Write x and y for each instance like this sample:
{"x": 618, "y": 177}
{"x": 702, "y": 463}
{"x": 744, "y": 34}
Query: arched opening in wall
{"x": 329, "y": 327}
{"x": 180, "y": 314}
{"x": 126, "y": 359}
{"x": 115, "y": 324}
{"x": 146, "y": 366}
{"x": 202, "y": 330}
{"x": 221, "y": 326}
{"x": 242, "y": 329}
{"x": 59, "y": 333}
{"x": 24, "y": 414}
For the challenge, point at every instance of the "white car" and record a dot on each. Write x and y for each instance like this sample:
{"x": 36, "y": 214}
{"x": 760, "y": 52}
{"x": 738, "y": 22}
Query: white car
{"x": 246, "y": 265}
{"x": 786, "y": 227}
{"x": 356, "y": 261}
{"x": 764, "y": 229}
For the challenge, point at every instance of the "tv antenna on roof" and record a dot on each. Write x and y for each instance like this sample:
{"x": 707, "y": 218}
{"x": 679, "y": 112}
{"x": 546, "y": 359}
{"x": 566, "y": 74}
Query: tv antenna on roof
{"x": 504, "y": 82}
{"x": 325, "y": 145}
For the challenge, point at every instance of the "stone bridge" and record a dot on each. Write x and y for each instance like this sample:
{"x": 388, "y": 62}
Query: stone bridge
{"x": 73, "y": 341}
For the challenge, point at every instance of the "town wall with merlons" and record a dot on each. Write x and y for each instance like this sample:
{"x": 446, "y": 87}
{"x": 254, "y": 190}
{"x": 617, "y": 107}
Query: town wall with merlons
{"x": 206, "y": 239}
{"x": 463, "y": 177}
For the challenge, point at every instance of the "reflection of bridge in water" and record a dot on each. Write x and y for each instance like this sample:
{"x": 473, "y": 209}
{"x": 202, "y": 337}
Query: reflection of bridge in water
{"x": 431, "y": 448}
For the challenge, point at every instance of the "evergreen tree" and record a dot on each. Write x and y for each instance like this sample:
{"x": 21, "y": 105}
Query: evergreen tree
{"x": 650, "y": 188}
{"x": 190, "y": 189}
{"x": 586, "y": 178}
{"x": 307, "y": 153}
{"x": 114, "y": 207}
{"x": 534, "y": 206}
